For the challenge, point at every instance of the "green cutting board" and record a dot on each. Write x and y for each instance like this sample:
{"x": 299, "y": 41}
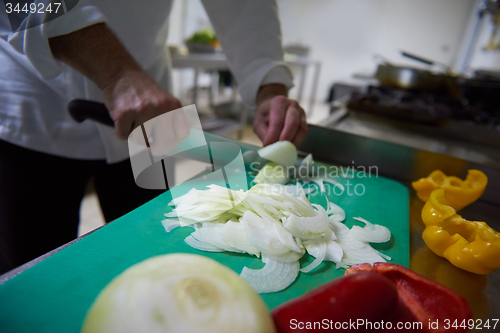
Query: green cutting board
{"x": 54, "y": 295}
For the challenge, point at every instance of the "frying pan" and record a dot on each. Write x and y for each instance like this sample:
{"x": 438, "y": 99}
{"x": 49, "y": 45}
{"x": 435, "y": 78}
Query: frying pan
{"x": 483, "y": 90}
{"x": 406, "y": 77}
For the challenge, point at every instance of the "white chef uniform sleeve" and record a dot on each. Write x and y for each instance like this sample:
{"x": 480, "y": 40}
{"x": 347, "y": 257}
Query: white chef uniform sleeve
{"x": 250, "y": 36}
{"x": 34, "y": 42}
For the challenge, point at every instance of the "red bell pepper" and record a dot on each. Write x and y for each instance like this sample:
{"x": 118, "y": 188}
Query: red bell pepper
{"x": 437, "y": 307}
{"x": 383, "y": 298}
{"x": 338, "y": 304}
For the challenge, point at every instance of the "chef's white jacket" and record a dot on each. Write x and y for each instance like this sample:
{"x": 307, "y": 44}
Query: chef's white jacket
{"x": 35, "y": 88}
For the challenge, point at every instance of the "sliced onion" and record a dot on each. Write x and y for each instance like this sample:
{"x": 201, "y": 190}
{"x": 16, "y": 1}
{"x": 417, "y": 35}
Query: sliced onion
{"x": 357, "y": 252}
{"x": 230, "y": 236}
{"x": 274, "y": 276}
{"x": 319, "y": 251}
{"x": 170, "y": 224}
{"x": 338, "y": 228}
{"x": 334, "y": 252}
{"x": 285, "y": 237}
{"x": 281, "y": 152}
{"x": 269, "y": 194}
{"x": 260, "y": 233}
{"x": 385, "y": 256}
{"x": 329, "y": 235}
{"x": 372, "y": 233}
{"x": 272, "y": 173}
{"x": 202, "y": 246}
{"x": 296, "y": 189}
{"x": 336, "y": 212}
{"x": 217, "y": 204}
{"x": 308, "y": 227}
{"x": 272, "y": 222}
{"x": 206, "y": 236}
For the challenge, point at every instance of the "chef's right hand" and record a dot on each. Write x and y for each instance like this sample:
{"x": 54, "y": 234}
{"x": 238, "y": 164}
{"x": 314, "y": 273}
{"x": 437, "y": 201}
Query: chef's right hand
{"x": 130, "y": 94}
{"x": 133, "y": 99}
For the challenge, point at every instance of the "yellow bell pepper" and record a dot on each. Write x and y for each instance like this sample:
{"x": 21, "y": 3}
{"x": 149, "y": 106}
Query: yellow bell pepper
{"x": 469, "y": 245}
{"x": 457, "y": 192}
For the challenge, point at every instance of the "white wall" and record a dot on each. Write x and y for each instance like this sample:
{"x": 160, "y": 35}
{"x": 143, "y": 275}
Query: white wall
{"x": 344, "y": 34}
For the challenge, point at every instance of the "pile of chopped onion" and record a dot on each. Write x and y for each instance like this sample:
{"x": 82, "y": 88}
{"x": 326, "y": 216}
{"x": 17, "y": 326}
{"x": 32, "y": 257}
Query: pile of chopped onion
{"x": 278, "y": 224}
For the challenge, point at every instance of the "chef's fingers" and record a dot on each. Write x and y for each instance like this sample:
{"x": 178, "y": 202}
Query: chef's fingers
{"x": 167, "y": 131}
{"x": 292, "y": 121}
{"x": 277, "y": 114}
{"x": 260, "y": 124}
{"x": 125, "y": 123}
{"x": 301, "y": 132}
{"x": 127, "y": 118}
{"x": 155, "y": 107}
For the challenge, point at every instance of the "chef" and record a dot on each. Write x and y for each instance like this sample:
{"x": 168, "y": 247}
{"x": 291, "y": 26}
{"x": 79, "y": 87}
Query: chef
{"x": 114, "y": 52}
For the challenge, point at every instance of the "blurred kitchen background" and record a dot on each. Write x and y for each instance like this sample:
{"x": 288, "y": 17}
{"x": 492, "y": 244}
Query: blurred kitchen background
{"x": 351, "y": 73}
{"x": 344, "y": 36}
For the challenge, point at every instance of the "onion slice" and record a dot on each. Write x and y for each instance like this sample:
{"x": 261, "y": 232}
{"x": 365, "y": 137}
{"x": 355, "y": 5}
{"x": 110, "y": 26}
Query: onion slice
{"x": 267, "y": 236}
{"x": 372, "y": 233}
{"x": 230, "y": 236}
{"x": 274, "y": 276}
{"x": 357, "y": 252}
{"x": 320, "y": 253}
{"x": 170, "y": 224}
{"x": 334, "y": 252}
{"x": 307, "y": 227}
{"x": 272, "y": 173}
{"x": 336, "y": 212}
{"x": 202, "y": 246}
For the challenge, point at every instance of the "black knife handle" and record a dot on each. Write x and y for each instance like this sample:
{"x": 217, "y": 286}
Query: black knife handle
{"x": 81, "y": 110}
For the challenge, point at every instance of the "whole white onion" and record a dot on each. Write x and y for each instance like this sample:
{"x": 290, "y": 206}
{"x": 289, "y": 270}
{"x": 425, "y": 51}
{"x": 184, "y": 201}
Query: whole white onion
{"x": 178, "y": 293}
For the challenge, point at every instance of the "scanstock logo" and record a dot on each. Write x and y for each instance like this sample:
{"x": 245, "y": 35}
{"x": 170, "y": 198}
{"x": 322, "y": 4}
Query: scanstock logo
{"x": 29, "y": 14}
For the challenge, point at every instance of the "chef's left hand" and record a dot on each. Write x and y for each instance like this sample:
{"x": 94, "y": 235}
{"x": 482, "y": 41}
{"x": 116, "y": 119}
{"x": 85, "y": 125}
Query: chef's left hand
{"x": 278, "y": 117}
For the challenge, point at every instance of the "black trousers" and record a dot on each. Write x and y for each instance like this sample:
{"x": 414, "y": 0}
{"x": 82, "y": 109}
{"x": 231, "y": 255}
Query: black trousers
{"x": 40, "y": 198}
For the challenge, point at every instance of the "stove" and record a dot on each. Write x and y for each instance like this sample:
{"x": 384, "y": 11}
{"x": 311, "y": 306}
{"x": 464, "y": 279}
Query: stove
{"x": 424, "y": 107}
{"x": 445, "y": 122}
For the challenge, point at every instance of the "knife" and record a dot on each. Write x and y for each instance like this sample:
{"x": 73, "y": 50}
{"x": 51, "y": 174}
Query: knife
{"x": 81, "y": 110}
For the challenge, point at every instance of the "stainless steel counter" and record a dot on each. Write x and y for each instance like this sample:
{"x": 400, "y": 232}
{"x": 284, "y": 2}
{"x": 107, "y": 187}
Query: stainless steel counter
{"x": 464, "y": 140}
{"x": 406, "y": 164}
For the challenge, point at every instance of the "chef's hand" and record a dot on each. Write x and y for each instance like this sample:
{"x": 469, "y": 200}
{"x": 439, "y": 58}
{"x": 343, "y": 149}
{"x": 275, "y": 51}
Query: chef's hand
{"x": 131, "y": 95}
{"x": 278, "y": 117}
{"x": 134, "y": 98}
